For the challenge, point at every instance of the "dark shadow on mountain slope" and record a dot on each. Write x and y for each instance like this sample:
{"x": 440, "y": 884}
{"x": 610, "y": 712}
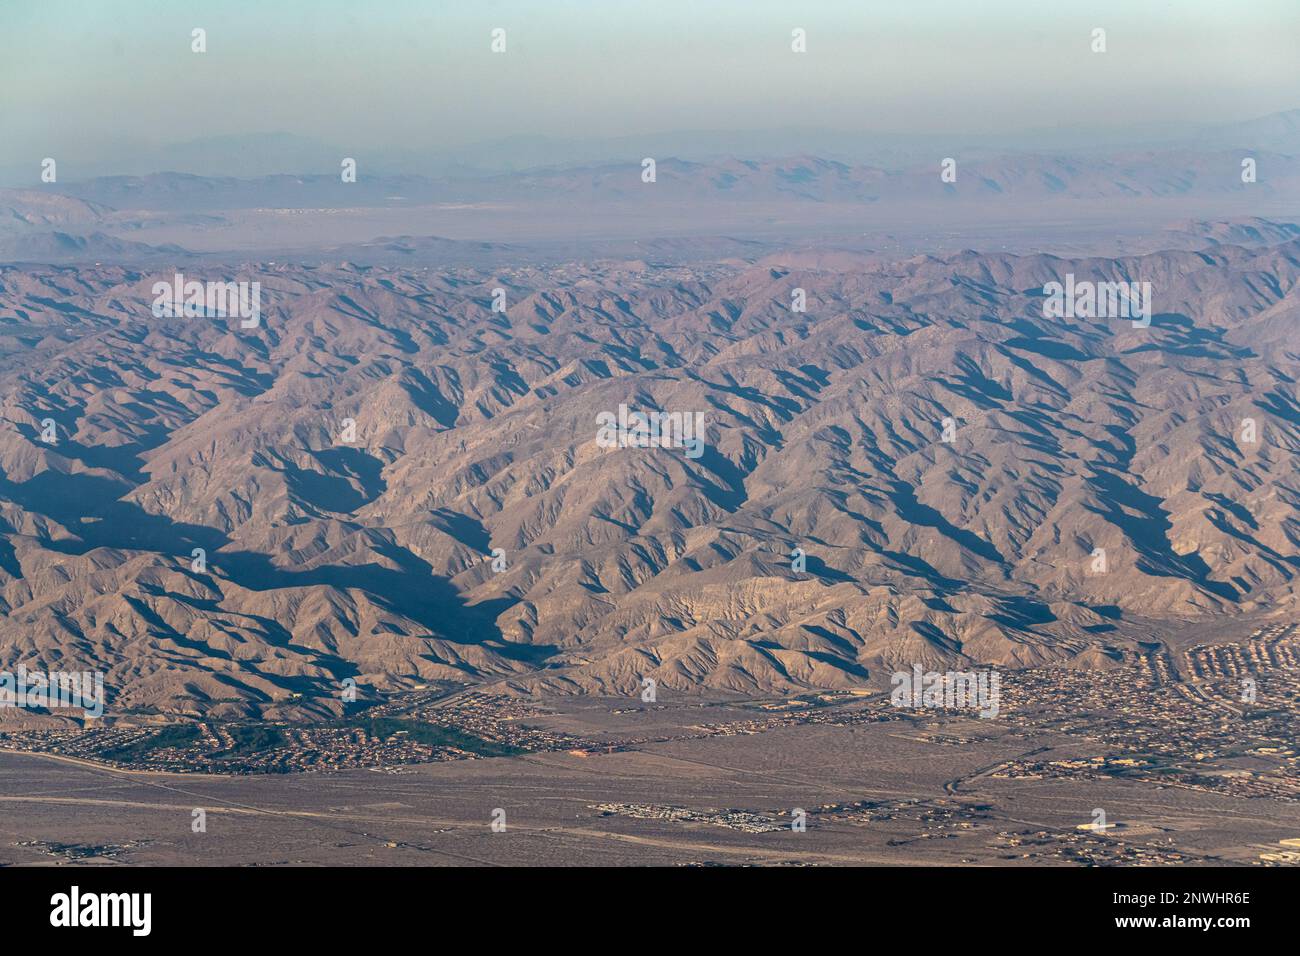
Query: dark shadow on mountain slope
{"x": 1123, "y": 450}
{"x": 89, "y": 507}
{"x": 782, "y": 408}
{"x": 162, "y": 629}
{"x": 463, "y": 528}
{"x": 322, "y": 491}
{"x": 907, "y": 563}
{"x": 1034, "y": 372}
{"x": 909, "y": 509}
{"x": 1281, "y": 405}
{"x": 428, "y": 599}
{"x": 9, "y": 558}
{"x": 630, "y": 358}
{"x": 532, "y": 655}
{"x": 428, "y": 398}
{"x": 974, "y": 379}
{"x": 848, "y": 664}
{"x": 122, "y": 459}
{"x": 1021, "y": 613}
{"x": 935, "y": 636}
{"x": 816, "y": 566}
{"x": 1180, "y": 335}
{"x": 918, "y": 567}
{"x": 67, "y": 308}
{"x": 1146, "y": 525}
{"x": 1048, "y": 348}
{"x": 1277, "y": 561}
{"x": 363, "y": 473}
{"x": 885, "y": 324}
{"x": 270, "y": 631}
{"x": 1041, "y": 435}
{"x": 765, "y": 433}
{"x": 805, "y": 389}
{"x": 411, "y": 591}
{"x": 847, "y": 647}
{"x": 351, "y": 479}
{"x": 731, "y": 493}
{"x": 839, "y": 663}
{"x": 239, "y": 378}
{"x": 401, "y": 339}
{"x": 817, "y": 374}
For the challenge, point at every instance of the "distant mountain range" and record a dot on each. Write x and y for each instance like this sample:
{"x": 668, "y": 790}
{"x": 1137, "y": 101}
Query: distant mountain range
{"x": 256, "y": 155}
{"x": 775, "y": 201}
{"x": 799, "y": 178}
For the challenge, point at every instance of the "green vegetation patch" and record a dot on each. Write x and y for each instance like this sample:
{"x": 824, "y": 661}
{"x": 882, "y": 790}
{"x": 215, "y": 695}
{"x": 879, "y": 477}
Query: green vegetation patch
{"x": 431, "y": 735}
{"x": 174, "y": 735}
{"x": 251, "y": 739}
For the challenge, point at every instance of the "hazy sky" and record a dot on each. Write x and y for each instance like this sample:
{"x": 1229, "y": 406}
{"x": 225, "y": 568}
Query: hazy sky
{"x": 91, "y": 80}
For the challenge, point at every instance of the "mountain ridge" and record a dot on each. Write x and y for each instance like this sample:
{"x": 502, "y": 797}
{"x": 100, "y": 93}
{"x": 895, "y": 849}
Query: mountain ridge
{"x": 476, "y": 430}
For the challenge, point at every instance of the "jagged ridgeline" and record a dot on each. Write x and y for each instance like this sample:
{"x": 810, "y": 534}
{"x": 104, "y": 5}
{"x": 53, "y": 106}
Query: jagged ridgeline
{"x": 389, "y": 480}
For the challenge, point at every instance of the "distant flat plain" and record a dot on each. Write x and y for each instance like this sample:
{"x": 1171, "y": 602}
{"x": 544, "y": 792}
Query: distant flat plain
{"x": 934, "y": 808}
{"x": 1063, "y": 227}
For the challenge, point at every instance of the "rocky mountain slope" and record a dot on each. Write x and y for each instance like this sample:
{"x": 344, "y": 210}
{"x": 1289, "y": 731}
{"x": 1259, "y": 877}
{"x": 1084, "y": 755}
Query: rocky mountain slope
{"x": 349, "y": 467}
